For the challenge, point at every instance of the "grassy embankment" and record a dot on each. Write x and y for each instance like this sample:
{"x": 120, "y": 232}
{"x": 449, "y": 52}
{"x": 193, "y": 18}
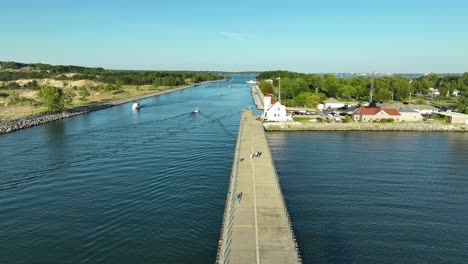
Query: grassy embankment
{"x": 30, "y": 103}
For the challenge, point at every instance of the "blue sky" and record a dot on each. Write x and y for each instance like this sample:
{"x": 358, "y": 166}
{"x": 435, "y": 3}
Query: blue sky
{"x": 304, "y": 36}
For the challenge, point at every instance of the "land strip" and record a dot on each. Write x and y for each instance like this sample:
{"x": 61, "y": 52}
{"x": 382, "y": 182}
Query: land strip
{"x": 257, "y": 96}
{"x": 358, "y": 126}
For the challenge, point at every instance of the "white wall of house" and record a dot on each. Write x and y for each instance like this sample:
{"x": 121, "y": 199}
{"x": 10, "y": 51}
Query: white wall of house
{"x": 377, "y": 117}
{"x": 411, "y": 116}
{"x": 277, "y": 113}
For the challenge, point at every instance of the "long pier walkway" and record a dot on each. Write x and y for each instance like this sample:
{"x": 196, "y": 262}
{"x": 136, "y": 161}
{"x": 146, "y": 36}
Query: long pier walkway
{"x": 256, "y": 225}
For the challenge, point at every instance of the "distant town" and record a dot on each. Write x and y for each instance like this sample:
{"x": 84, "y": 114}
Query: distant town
{"x": 312, "y": 98}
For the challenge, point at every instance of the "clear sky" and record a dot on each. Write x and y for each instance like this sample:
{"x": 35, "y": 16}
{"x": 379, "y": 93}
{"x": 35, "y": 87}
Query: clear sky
{"x": 305, "y": 36}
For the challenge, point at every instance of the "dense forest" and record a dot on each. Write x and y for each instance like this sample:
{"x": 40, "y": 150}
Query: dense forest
{"x": 298, "y": 89}
{"x": 11, "y": 71}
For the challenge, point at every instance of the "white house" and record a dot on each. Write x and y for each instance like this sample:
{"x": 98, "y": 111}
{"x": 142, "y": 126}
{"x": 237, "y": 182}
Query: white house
{"x": 331, "y": 103}
{"x": 455, "y": 92}
{"x": 274, "y": 110}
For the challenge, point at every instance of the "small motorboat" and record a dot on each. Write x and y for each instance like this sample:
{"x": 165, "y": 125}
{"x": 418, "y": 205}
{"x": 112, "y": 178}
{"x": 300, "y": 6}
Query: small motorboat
{"x": 136, "y": 106}
{"x": 196, "y": 111}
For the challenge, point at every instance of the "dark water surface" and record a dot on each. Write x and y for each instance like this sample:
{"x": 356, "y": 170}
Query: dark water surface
{"x": 376, "y": 197}
{"x": 118, "y": 186}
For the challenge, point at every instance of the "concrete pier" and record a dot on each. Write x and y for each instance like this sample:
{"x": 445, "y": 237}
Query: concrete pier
{"x": 256, "y": 225}
{"x": 257, "y": 96}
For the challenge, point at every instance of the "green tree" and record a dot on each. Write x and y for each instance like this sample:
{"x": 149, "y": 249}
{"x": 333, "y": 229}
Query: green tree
{"x": 361, "y": 85}
{"x": 266, "y": 87}
{"x": 84, "y": 93}
{"x": 331, "y": 85}
{"x": 315, "y": 82}
{"x": 52, "y": 98}
{"x": 68, "y": 97}
{"x": 401, "y": 88}
{"x": 383, "y": 94}
{"x": 308, "y": 99}
{"x": 463, "y": 97}
{"x": 347, "y": 91}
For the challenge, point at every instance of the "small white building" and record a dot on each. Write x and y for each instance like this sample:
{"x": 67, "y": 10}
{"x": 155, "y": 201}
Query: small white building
{"x": 433, "y": 91}
{"x": 455, "y": 118}
{"x": 331, "y": 103}
{"x": 455, "y": 92}
{"x": 274, "y": 111}
{"x": 410, "y": 115}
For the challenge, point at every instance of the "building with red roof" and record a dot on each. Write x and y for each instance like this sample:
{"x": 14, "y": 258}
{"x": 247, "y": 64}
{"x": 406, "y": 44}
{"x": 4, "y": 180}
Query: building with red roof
{"x": 370, "y": 114}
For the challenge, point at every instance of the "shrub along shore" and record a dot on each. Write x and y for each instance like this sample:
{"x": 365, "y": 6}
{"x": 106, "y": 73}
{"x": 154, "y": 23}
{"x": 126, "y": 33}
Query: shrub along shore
{"x": 30, "y": 121}
{"x": 355, "y": 126}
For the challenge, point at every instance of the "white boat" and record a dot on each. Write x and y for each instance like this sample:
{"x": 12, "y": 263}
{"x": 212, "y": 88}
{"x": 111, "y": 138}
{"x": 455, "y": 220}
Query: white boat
{"x": 252, "y": 82}
{"x": 196, "y": 110}
{"x": 136, "y": 106}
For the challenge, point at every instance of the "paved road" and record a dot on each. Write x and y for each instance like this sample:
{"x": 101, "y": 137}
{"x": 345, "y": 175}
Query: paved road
{"x": 259, "y": 224}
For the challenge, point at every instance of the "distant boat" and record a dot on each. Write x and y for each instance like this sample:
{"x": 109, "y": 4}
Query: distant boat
{"x": 196, "y": 111}
{"x": 252, "y": 82}
{"x": 136, "y": 106}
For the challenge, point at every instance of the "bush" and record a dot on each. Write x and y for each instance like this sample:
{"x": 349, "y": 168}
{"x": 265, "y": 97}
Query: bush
{"x": 84, "y": 93}
{"x": 52, "y": 98}
{"x": 348, "y": 119}
{"x": 13, "y": 98}
{"x": 386, "y": 120}
{"x": 421, "y": 102}
{"x": 319, "y": 119}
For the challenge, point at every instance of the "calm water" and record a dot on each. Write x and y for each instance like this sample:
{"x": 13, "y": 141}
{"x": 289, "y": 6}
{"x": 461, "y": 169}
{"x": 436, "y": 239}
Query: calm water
{"x": 363, "y": 197}
{"x": 117, "y": 186}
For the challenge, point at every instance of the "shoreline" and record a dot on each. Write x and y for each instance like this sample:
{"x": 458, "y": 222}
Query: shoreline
{"x": 39, "y": 119}
{"x": 407, "y": 127}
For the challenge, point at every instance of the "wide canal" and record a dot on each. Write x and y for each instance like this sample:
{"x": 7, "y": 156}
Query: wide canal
{"x": 118, "y": 186}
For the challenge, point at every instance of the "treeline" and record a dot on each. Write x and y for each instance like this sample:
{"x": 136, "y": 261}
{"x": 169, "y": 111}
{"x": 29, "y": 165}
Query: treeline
{"x": 386, "y": 88}
{"x": 11, "y": 71}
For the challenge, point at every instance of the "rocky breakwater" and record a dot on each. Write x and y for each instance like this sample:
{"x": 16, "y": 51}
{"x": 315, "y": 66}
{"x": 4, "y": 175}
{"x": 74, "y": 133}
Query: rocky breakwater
{"x": 40, "y": 119}
{"x": 355, "y": 126}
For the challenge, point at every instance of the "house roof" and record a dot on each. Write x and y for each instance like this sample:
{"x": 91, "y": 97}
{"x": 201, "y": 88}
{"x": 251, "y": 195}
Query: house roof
{"x": 273, "y": 103}
{"x": 375, "y": 110}
{"x": 391, "y": 111}
{"x": 407, "y": 110}
{"x": 453, "y": 114}
{"x": 421, "y": 107}
{"x": 267, "y": 95}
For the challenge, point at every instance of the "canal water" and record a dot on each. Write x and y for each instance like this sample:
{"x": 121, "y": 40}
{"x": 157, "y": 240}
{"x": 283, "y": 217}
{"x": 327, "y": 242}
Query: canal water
{"x": 376, "y": 197}
{"x": 117, "y": 186}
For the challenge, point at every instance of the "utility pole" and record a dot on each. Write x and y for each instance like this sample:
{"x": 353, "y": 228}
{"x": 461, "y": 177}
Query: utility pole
{"x": 372, "y": 87}
{"x": 279, "y": 89}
